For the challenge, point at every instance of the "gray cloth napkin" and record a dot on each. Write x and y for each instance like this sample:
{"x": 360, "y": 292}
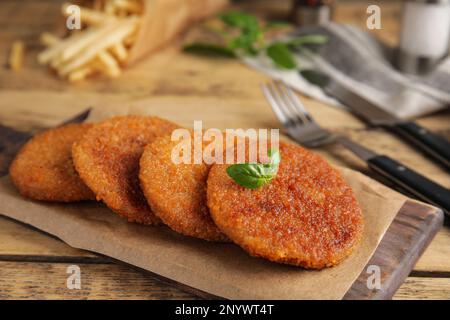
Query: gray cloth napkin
{"x": 362, "y": 63}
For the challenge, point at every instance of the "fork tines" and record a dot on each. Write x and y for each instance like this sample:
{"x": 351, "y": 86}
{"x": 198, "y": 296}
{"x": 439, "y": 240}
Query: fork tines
{"x": 284, "y": 103}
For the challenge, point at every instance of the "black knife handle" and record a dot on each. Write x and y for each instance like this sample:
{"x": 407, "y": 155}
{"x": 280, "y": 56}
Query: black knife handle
{"x": 433, "y": 145}
{"x": 425, "y": 189}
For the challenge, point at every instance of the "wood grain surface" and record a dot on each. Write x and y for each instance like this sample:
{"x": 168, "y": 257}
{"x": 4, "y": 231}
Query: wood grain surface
{"x": 41, "y": 280}
{"x": 33, "y": 98}
{"x": 409, "y": 234}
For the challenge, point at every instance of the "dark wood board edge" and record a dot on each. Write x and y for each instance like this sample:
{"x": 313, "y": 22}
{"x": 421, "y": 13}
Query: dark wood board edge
{"x": 406, "y": 239}
{"x": 10, "y": 143}
{"x": 12, "y": 140}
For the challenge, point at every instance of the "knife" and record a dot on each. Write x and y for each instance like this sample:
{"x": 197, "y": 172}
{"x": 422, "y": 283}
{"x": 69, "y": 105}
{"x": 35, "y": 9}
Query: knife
{"x": 433, "y": 145}
{"x": 13, "y": 140}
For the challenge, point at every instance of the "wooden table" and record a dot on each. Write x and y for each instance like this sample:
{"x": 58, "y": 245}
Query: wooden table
{"x": 33, "y": 265}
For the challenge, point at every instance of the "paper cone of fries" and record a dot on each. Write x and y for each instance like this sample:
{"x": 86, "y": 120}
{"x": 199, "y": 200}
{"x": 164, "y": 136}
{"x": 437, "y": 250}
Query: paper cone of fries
{"x": 118, "y": 33}
{"x": 164, "y": 19}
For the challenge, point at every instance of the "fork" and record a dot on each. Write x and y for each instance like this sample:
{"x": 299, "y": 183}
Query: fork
{"x": 301, "y": 127}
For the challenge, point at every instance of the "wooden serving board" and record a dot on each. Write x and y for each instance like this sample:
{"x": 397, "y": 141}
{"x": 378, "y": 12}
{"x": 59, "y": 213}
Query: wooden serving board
{"x": 407, "y": 237}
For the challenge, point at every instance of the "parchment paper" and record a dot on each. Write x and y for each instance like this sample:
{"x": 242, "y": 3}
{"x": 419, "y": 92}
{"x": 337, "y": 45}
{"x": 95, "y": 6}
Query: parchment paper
{"x": 220, "y": 269}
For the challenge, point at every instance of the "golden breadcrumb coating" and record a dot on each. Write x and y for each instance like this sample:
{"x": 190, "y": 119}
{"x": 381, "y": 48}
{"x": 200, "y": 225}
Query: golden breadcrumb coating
{"x": 306, "y": 216}
{"x": 43, "y": 168}
{"x": 107, "y": 159}
{"x": 177, "y": 192}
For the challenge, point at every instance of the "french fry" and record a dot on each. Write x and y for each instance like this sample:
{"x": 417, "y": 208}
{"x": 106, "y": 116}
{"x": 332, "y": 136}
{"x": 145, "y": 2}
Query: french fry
{"x": 111, "y": 29}
{"x": 131, "y": 39}
{"x": 51, "y": 52}
{"x": 16, "y": 56}
{"x": 109, "y": 65}
{"x": 122, "y": 30}
{"x": 119, "y": 51}
{"x": 89, "y": 37}
{"x": 48, "y": 39}
{"x": 80, "y": 74}
{"x": 57, "y": 62}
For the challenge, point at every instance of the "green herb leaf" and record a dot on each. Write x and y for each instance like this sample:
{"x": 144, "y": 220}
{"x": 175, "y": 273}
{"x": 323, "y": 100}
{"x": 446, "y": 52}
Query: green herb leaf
{"x": 281, "y": 55}
{"x": 250, "y": 31}
{"x": 244, "y": 42}
{"x": 247, "y": 175}
{"x": 240, "y": 20}
{"x": 276, "y": 25}
{"x": 209, "y": 50}
{"x": 255, "y": 175}
{"x": 249, "y": 40}
{"x": 314, "y": 77}
{"x": 275, "y": 158}
{"x": 309, "y": 39}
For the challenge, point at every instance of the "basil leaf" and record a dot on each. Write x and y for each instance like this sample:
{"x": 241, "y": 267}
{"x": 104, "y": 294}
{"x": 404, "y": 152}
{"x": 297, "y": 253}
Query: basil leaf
{"x": 275, "y": 157}
{"x": 281, "y": 55}
{"x": 244, "y": 42}
{"x": 250, "y": 34}
{"x": 249, "y": 40}
{"x": 255, "y": 175}
{"x": 240, "y": 20}
{"x": 314, "y": 77}
{"x": 209, "y": 50}
{"x": 272, "y": 167}
{"x": 247, "y": 175}
{"x": 309, "y": 39}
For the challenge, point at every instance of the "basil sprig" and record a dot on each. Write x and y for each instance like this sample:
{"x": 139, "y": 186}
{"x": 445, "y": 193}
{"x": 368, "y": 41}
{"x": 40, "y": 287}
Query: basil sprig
{"x": 207, "y": 49}
{"x": 255, "y": 175}
{"x": 281, "y": 55}
{"x": 244, "y": 35}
